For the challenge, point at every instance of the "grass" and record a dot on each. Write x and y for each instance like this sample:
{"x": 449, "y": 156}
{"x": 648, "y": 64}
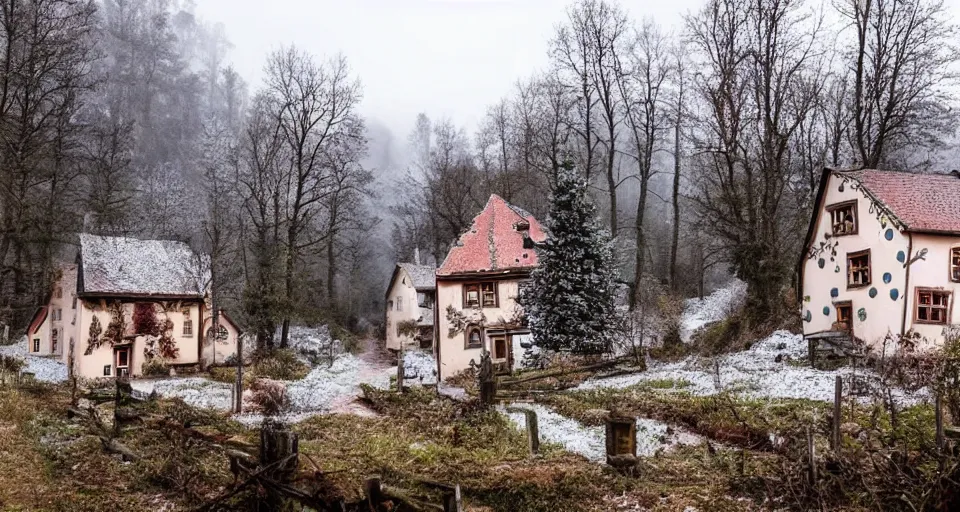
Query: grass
{"x": 279, "y": 364}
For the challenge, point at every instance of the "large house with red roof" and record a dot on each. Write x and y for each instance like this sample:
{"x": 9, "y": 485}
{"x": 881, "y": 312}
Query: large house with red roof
{"x": 125, "y": 301}
{"x": 882, "y": 257}
{"x": 477, "y": 286}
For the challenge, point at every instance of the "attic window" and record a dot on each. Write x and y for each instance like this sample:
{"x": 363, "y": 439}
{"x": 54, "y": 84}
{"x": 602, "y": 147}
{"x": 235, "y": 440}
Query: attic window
{"x": 955, "y": 264}
{"x": 858, "y": 269}
{"x": 932, "y": 306}
{"x": 477, "y": 295}
{"x": 523, "y": 226}
{"x": 473, "y": 337}
{"x": 843, "y": 218}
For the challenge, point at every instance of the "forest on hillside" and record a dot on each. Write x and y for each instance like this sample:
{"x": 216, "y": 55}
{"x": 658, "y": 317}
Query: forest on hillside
{"x": 703, "y": 147}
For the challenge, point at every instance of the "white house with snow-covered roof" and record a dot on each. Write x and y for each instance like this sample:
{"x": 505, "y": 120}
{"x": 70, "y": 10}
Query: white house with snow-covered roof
{"x": 127, "y": 301}
{"x": 409, "y": 300}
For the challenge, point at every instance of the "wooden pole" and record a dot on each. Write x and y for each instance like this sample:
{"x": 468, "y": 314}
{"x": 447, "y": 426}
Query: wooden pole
{"x": 372, "y": 488}
{"x": 837, "y": 402}
{"x": 811, "y": 458}
{"x": 938, "y": 415}
{"x": 72, "y": 375}
{"x": 400, "y": 369}
{"x": 716, "y": 374}
{"x": 812, "y": 352}
{"x": 533, "y": 431}
{"x": 238, "y": 385}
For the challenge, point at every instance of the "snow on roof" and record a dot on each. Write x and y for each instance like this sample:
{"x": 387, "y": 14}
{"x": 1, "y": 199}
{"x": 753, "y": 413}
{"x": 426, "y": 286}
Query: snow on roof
{"x": 922, "y": 202}
{"x": 423, "y": 276}
{"x": 129, "y": 266}
{"x": 426, "y": 317}
{"x": 494, "y": 241}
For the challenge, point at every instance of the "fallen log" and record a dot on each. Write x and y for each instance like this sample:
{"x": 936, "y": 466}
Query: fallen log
{"x": 113, "y": 446}
{"x": 565, "y": 371}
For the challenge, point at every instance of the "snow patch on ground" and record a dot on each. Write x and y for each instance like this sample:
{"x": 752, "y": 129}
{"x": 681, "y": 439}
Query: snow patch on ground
{"x": 195, "y": 391}
{"x": 652, "y": 435}
{"x": 43, "y": 368}
{"x": 419, "y": 367}
{"x": 752, "y": 373}
{"x": 715, "y": 307}
{"x": 313, "y": 344}
{"x": 324, "y": 388}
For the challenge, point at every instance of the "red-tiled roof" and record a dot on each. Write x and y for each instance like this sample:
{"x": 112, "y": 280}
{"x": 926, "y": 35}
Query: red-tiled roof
{"x": 494, "y": 241}
{"x": 37, "y": 321}
{"x": 922, "y": 202}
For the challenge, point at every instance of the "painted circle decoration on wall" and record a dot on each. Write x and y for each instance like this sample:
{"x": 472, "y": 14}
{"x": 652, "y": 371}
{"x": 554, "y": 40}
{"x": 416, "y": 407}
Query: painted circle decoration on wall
{"x": 821, "y": 262}
{"x": 887, "y": 277}
{"x": 862, "y": 314}
{"x": 872, "y": 292}
{"x": 837, "y": 269}
{"x": 888, "y": 235}
{"x": 901, "y": 257}
{"x": 826, "y": 310}
{"x": 834, "y": 292}
{"x": 807, "y": 317}
{"x": 894, "y": 294}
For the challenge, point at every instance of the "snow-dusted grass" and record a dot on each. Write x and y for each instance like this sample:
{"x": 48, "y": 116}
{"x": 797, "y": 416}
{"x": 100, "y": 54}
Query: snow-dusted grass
{"x": 196, "y": 391}
{"x": 590, "y": 441}
{"x": 44, "y": 369}
{"x": 713, "y": 308}
{"x": 419, "y": 367}
{"x": 751, "y": 373}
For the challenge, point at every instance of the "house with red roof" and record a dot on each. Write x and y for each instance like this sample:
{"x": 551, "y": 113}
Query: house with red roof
{"x": 127, "y": 300}
{"x": 477, "y": 287}
{"x": 882, "y": 257}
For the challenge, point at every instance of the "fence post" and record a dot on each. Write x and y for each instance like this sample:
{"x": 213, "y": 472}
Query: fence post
{"x": 533, "y": 431}
{"x": 278, "y": 447}
{"x": 938, "y": 415}
{"x": 837, "y": 401}
{"x": 812, "y": 458}
{"x": 373, "y": 490}
{"x": 812, "y": 353}
{"x": 400, "y": 369}
{"x": 716, "y": 374}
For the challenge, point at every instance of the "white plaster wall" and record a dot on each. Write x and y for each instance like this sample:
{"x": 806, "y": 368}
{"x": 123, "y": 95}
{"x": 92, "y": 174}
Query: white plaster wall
{"x": 883, "y": 313}
{"x": 403, "y": 288}
{"x": 454, "y": 356}
{"x": 222, "y": 349}
{"x": 932, "y": 272}
{"x": 91, "y": 366}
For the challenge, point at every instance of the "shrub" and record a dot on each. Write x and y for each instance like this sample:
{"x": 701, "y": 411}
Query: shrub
{"x": 155, "y": 367}
{"x": 280, "y": 364}
{"x": 269, "y": 396}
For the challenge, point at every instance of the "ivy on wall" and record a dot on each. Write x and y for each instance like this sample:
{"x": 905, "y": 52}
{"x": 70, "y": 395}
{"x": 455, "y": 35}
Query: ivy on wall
{"x": 94, "y": 341}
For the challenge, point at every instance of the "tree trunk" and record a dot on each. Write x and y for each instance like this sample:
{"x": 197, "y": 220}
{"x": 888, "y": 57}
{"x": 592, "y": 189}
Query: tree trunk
{"x": 675, "y": 200}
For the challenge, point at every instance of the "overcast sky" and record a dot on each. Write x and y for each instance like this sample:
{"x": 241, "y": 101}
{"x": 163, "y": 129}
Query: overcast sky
{"x": 448, "y": 58}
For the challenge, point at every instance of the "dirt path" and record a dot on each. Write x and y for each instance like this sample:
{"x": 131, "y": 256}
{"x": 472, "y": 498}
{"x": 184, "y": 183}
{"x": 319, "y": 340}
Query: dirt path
{"x": 375, "y": 361}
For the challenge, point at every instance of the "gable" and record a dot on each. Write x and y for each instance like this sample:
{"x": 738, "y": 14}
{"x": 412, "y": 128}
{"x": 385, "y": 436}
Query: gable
{"x": 495, "y": 241}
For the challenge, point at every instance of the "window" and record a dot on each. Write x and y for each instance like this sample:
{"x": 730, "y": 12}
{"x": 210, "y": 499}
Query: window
{"x": 474, "y": 339}
{"x": 187, "y": 324}
{"x": 106, "y": 370}
{"x": 36, "y": 345}
{"x": 844, "y": 316}
{"x": 399, "y": 303}
{"x": 57, "y": 315}
{"x": 59, "y": 292}
{"x": 843, "y": 218}
{"x": 54, "y": 338}
{"x": 424, "y": 299}
{"x": 478, "y": 295}
{"x": 933, "y": 306}
{"x": 955, "y": 264}
{"x": 858, "y": 269}
{"x": 499, "y": 348}
{"x": 398, "y": 329}
{"x": 389, "y": 305}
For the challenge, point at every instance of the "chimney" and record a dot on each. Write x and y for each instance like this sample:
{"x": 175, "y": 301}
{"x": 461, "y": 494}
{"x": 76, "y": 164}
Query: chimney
{"x": 416, "y": 255}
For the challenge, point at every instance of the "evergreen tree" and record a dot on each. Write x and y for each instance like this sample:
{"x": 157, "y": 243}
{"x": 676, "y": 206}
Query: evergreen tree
{"x": 570, "y": 303}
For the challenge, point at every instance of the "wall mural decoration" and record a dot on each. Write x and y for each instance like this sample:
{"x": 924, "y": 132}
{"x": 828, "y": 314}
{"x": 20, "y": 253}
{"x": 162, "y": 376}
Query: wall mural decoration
{"x": 872, "y": 292}
{"x": 826, "y": 310}
{"x": 821, "y": 262}
{"x": 837, "y": 269}
{"x": 888, "y": 234}
{"x": 862, "y": 314}
{"x": 834, "y": 292}
{"x": 807, "y": 317}
{"x": 894, "y": 294}
{"x": 887, "y": 277}
{"x": 901, "y": 257}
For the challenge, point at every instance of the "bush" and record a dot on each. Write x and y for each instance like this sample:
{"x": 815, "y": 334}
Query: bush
{"x": 280, "y": 364}
{"x": 269, "y": 396}
{"x": 350, "y": 342}
{"x": 155, "y": 367}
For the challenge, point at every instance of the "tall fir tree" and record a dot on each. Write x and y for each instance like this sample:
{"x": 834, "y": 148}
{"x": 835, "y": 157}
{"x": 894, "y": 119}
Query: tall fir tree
{"x": 570, "y": 303}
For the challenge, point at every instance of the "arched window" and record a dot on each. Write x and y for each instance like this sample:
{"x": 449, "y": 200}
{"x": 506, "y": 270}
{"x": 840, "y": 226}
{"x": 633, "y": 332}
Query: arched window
{"x": 474, "y": 337}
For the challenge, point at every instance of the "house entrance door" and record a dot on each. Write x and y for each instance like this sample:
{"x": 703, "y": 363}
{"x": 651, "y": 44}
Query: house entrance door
{"x": 122, "y": 361}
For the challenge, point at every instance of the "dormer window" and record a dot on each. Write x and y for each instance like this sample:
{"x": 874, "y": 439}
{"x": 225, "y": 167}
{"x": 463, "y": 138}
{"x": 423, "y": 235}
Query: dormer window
{"x": 843, "y": 218}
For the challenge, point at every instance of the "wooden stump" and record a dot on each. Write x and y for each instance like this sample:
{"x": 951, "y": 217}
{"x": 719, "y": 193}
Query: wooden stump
{"x": 621, "y": 442}
{"x": 279, "y": 452}
{"x": 533, "y": 431}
